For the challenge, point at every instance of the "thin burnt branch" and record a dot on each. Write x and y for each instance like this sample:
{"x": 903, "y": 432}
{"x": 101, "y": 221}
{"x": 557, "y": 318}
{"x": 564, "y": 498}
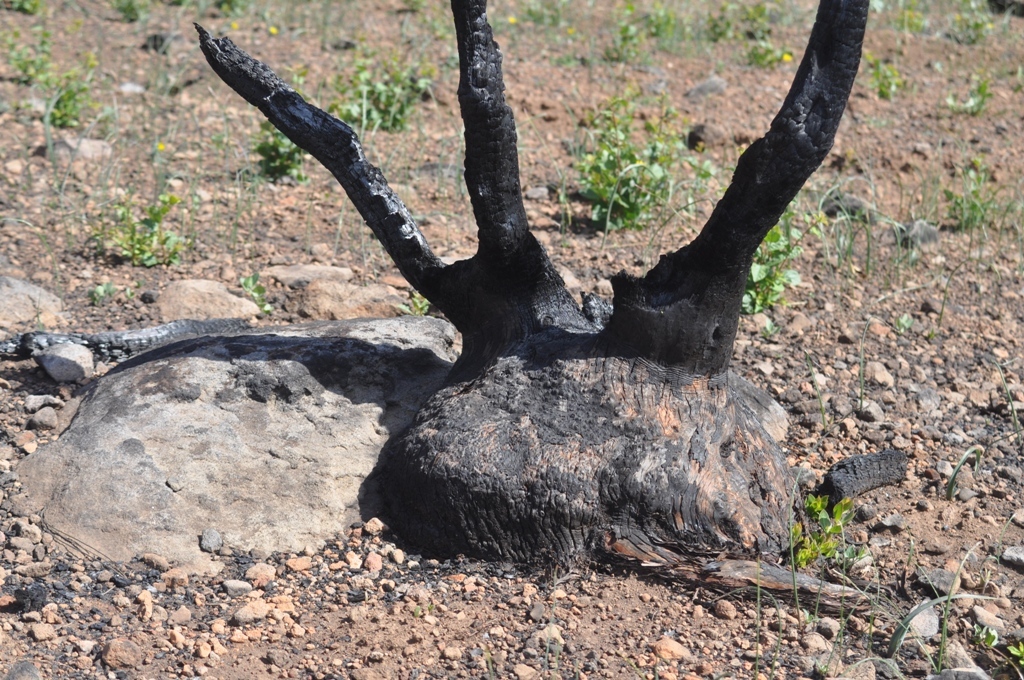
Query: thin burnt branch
{"x": 492, "y": 161}
{"x": 337, "y": 147}
{"x": 684, "y": 312}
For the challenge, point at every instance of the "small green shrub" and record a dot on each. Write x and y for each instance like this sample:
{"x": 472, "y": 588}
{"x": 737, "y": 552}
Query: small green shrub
{"x": 825, "y": 540}
{"x": 628, "y": 183}
{"x": 418, "y": 305}
{"x": 885, "y": 77}
{"x": 547, "y": 12}
{"x": 27, "y": 6}
{"x": 131, "y": 10}
{"x": 379, "y": 97}
{"x": 233, "y": 7}
{"x": 32, "y": 62}
{"x": 279, "y": 157}
{"x": 628, "y": 38}
{"x": 972, "y": 23}
{"x": 768, "y": 277}
{"x": 257, "y": 291}
{"x": 146, "y": 242}
{"x": 904, "y": 323}
{"x": 765, "y": 55}
{"x": 910, "y": 19}
{"x": 1016, "y": 654}
{"x": 70, "y": 94}
{"x": 101, "y": 293}
{"x": 975, "y": 206}
{"x": 756, "y": 25}
{"x": 718, "y": 27}
{"x": 976, "y": 100}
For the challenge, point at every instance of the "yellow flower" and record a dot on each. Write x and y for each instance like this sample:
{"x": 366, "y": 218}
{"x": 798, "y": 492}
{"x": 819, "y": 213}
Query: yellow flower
{"x": 234, "y": 25}
{"x": 273, "y": 30}
{"x": 571, "y": 30}
{"x": 512, "y": 20}
{"x": 160, "y": 146}
{"x": 787, "y": 57}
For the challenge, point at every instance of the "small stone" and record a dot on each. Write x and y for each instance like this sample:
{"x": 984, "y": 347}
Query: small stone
{"x": 1014, "y": 555}
{"x": 373, "y": 526}
{"x": 398, "y": 556}
{"x": 158, "y": 562}
{"x": 537, "y": 193}
{"x": 40, "y": 632}
{"x": 66, "y": 363}
{"x": 829, "y": 628}
{"x": 303, "y": 563}
{"x": 871, "y": 412}
{"x": 942, "y": 581}
{"x": 537, "y": 612}
{"x": 210, "y": 541}
{"x": 260, "y": 574}
{"x": 935, "y": 546}
{"x": 23, "y": 670}
{"x": 81, "y": 149}
{"x": 549, "y": 635}
{"x": 353, "y": 560}
{"x": 44, "y": 419}
{"x": 925, "y": 624}
{"x": 815, "y": 643}
{"x": 176, "y": 638}
{"x": 876, "y": 372}
{"x": 34, "y": 402}
{"x": 986, "y": 618}
{"x": 121, "y": 653}
{"x": 181, "y": 616}
{"x": 236, "y": 588}
{"x": 713, "y": 85}
{"x": 256, "y": 610}
{"x": 373, "y": 562}
{"x": 725, "y": 610}
{"x": 799, "y": 324}
{"x": 524, "y": 672}
{"x": 669, "y": 649}
{"x": 894, "y": 523}
{"x": 452, "y": 653}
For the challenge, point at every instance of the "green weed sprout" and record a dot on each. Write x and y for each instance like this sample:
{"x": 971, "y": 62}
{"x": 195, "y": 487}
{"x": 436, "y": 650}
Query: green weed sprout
{"x": 1017, "y": 653}
{"x": 972, "y": 23}
{"x": 379, "y": 98}
{"x": 27, "y": 6}
{"x": 32, "y": 62}
{"x": 418, "y": 305}
{"x": 768, "y": 277}
{"x": 972, "y": 208}
{"x": 951, "y": 487}
{"x": 765, "y": 55}
{"x": 825, "y": 540}
{"x": 628, "y": 38}
{"x": 131, "y": 10}
{"x": 885, "y": 78}
{"x": 627, "y": 182}
{"x": 146, "y": 242}
{"x": 279, "y": 157}
{"x": 257, "y": 291}
{"x": 102, "y": 293}
{"x": 976, "y": 100}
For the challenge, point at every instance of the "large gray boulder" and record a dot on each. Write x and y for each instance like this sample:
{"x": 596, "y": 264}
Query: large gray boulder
{"x": 264, "y": 437}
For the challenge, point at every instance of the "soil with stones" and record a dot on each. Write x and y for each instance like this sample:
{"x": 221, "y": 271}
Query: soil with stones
{"x": 890, "y": 342}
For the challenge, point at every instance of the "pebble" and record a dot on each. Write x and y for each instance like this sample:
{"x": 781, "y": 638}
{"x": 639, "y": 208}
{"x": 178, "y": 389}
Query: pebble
{"x": 815, "y": 643}
{"x": 121, "y": 653}
{"x": 373, "y": 562}
{"x": 894, "y": 523}
{"x": 373, "y": 526}
{"x": 158, "y": 562}
{"x": 876, "y": 372}
{"x": 260, "y": 574}
{"x": 942, "y": 581}
{"x": 66, "y": 363}
{"x": 828, "y": 628}
{"x": 256, "y": 610}
{"x": 925, "y": 624}
{"x": 303, "y": 563}
{"x": 724, "y": 609}
{"x": 236, "y": 588}
{"x": 34, "y": 402}
{"x": 1014, "y": 555}
{"x": 669, "y": 649}
{"x": 210, "y": 541}
{"x": 871, "y": 412}
{"x": 181, "y": 616}
{"x": 43, "y": 419}
{"x": 40, "y": 632}
{"x": 986, "y": 618}
{"x": 23, "y": 670}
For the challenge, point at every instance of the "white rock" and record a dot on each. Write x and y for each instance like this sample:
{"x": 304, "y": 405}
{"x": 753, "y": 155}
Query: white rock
{"x": 66, "y": 363}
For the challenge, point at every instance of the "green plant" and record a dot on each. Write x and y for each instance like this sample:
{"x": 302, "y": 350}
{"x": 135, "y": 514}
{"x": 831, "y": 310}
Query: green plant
{"x": 380, "y": 97}
{"x": 904, "y": 323}
{"x": 765, "y": 55}
{"x": 972, "y": 23}
{"x": 910, "y": 19}
{"x": 102, "y": 293}
{"x": 546, "y": 12}
{"x": 233, "y": 7}
{"x": 885, "y": 77}
{"x": 974, "y": 206}
{"x": 279, "y": 157}
{"x": 628, "y": 38}
{"x": 27, "y": 6}
{"x": 976, "y": 100}
{"x": 418, "y": 305}
{"x": 951, "y": 487}
{"x": 755, "y": 22}
{"x": 627, "y": 182}
{"x": 70, "y": 94}
{"x": 768, "y": 279}
{"x": 984, "y": 636}
{"x": 131, "y": 10}
{"x": 825, "y": 540}
{"x": 1017, "y": 652}
{"x": 718, "y": 27}
{"x": 257, "y": 291}
{"x": 32, "y": 62}
{"x": 1011, "y": 406}
{"x": 146, "y": 242}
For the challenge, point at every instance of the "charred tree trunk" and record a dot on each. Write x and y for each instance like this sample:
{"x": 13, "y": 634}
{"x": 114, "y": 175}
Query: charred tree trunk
{"x": 560, "y": 437}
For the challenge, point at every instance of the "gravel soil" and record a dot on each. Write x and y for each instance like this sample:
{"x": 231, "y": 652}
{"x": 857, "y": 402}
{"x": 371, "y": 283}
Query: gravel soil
{"x": 888, "y": 342}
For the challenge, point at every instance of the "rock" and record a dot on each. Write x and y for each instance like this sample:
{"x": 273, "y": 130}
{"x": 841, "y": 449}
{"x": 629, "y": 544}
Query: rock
{"x": 925, "y": 624}
{"x": 300, "y": 275}
{"x": 705, "y": 136}
{"x": 524, "y": 672}
{"x": 236, "y": 588}
{"x": 373, "y": 526}
{"x": 957, "y": 656}
{"x": 669, "y": 649}
{"x": 23, "y": 670}
{"x": 336, "y": 300}
{"x": 539, "y": 193}
{"x": 25, "y": 528}
{"x": 828, "y": 628}
{"x": 815, "y": 643}
{"x": 916, "y": 235}
{"x": 928, "y": 400}
{"x": 35, "y": 402}
{"x": 202, "y": 299}
{"x": 374, "y": 562}
{"x": 452, "y": 653}
{"x": 961, "y": 674}
{"x": 121, "y": 653}
{"x": 256, "y": 610}
{"x": 713, "y": 85}
{"x": 210, "y": 541}
{"x": 43, "y": 419}
{"x": 871, "y": 412}
{"x": 876, "y": 372}
{"x": 302, "y": 563}
{"x": 799, "y": 324}
{"x": 1014, "y": 555}
{"x": 260, "y": 574}
{"x": 66, "y": 363}
{"x": 41, "y": 632}
{"x": 942, "y": 581}
{"x": 894, "y": 523}
{"x": 280, "y": 428}
{"x": 180, "y": 616}
{"x": 986, "y": 618}
{"x": 65, "y": 150}
{"x": 725, "y": 610}
{"x": 26, "y": 305}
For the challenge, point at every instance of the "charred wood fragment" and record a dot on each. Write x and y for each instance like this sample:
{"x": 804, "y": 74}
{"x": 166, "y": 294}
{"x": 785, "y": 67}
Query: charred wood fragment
{"x": 857, "y": 475}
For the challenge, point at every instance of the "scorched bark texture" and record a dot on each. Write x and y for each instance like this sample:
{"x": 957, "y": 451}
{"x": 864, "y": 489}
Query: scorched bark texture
{"x": 559, "y": 436}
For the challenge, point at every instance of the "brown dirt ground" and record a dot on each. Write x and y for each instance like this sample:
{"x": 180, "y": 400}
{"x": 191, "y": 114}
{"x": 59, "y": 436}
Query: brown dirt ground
{"x": 190, "y": 135}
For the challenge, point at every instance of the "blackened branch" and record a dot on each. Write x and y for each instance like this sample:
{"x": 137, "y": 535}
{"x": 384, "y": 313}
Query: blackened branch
{"x": 685, "y": 311}
{"x": 337, "y": 147}
{"x": 492, "y": 161}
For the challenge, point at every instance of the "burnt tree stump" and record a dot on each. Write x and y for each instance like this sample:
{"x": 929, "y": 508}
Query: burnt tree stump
{"x": 565, "y": 433}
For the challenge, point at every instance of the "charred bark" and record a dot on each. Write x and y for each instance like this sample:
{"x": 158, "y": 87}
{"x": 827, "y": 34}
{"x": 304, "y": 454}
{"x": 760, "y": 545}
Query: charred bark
{"x": 559, "y": 436}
